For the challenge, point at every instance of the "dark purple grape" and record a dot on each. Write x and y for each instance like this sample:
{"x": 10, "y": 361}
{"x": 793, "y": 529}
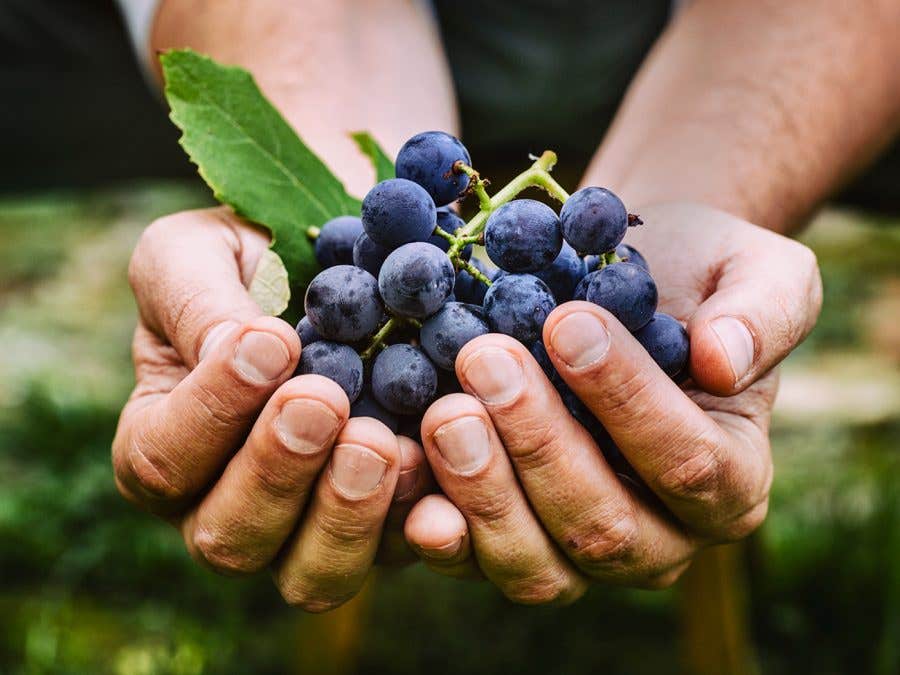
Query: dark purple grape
{"x": 449, "y": 329}
{"x": 632, "y": 255}
{"x": 416, "y": 280}
{"x": 667, "y": 342}
{"x": 523, "y": 236}
{"x": 335, "y": 361}
{"x": 397, "y": 211}
{"x": 428, "y": 160}
{"x": 403, "y": 380}
{"x": 342, "y": 303}
{"x": 517, "y": 305}
{"x": 334, "y": 245}
{"x": 367, "y": 406}
{"x": 580, "y": 292}
{"x": 563, "y": 274}
{"x": 593, "y": 220}
{"x": 307, "y": 333}
{"x": 368, "y": 255}
{"x": 626, "y": 291}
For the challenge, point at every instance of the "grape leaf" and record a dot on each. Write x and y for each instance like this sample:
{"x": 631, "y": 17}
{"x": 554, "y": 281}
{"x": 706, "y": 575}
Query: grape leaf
{"x": 270, "y": 287}
{"x": 252, "y": 158}
{"x": 384, "y": 166}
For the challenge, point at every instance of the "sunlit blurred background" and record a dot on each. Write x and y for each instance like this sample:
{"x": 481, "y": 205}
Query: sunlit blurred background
{"x": 90, "y": 585}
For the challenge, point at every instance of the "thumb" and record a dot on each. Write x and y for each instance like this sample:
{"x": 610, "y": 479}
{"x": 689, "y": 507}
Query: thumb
{"x": 765, "y": 303}
{"x": 189, "y": 272}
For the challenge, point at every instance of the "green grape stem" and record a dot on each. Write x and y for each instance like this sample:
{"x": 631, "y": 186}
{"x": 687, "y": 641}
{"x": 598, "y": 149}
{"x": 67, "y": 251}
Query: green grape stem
{"x": 313, "y": 232}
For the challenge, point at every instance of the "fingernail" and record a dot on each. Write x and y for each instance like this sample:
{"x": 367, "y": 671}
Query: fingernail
{"x": 580, "y": 339}
{"x": 356, "y": 471}
{"x": 494, "y": 374}
{"x": 464, "y": 444}
{"x": 737, "y": 342}
{"x": 261, "y": 357}
{"x": 215, "y": 336}
{"x": 406, "y": 483}
{"x": 444, "y": 552}
{"x": 306, "y": 426}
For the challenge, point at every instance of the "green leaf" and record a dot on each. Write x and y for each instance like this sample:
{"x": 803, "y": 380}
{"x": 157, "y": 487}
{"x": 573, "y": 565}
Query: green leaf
{"x": 252, "y": 158}
{"x": 269, "y": 287}
{"x": 384, "y": 166}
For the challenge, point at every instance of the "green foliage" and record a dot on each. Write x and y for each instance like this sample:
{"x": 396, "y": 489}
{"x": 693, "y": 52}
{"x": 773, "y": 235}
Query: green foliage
{"x": 252, "y": 158}
{"x": 384, "y": 166}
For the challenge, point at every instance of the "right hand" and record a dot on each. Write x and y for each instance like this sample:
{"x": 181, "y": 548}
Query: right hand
{"x": 255, "y": 467}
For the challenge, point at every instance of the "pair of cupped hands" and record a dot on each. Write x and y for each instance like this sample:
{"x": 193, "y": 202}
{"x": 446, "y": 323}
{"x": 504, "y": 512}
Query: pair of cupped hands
{"x": 259, "y": 469}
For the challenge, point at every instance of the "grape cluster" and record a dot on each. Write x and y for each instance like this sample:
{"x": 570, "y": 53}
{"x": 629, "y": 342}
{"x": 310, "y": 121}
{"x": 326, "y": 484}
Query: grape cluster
{"x": 400, "y": 293}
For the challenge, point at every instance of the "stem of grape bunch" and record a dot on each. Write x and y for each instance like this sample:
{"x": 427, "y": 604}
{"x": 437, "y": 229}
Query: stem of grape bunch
{"x": 537, "y": 175}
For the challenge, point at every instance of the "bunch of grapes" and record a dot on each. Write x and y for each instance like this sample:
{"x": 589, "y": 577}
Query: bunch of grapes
{"x": 401, "y": 294}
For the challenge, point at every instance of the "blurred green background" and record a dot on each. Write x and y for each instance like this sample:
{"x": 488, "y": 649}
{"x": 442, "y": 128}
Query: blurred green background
{"x": 90, "y": 585}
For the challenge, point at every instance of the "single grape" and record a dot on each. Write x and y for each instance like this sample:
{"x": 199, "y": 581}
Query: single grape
{"x": 307, "y": 333}
{"x": 563, "y": 274}
{"x": 625, "y": 253}
{"x": 397, "y": 211}
{"x": 517, "y": 305}
{"x": 403, "y": 379}
{"x": 449, "y": 222}
{"x": 580, "y": 292}
{"x": 428, "y": 160}
{"x": 632, "y": 255}
{"x": 416, "y": 280}
{"x": 368, "y": 255}
{"x": 448, "y": 330}
{"x": 667, "y": 342}
{"x": 336, "y": 362}
{"x": 334, "y": 245}
{"x": 367, "y": 406}
{"x": 626, "y": 291}
{"x": 593, "y": 220}
{"x": 523, "y": 236}
{"x": 342, "y": 303}
{"x": 468, "y": 289}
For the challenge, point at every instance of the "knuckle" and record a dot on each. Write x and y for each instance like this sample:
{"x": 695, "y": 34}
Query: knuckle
{"x": 746, "y": 523}
{"x": 618, "y": 401}
{"x": 342, "y": 528}
{"x": 665, "y": 580}
{"x": 537, "y": 591}
{"x": 220, "y": 554}
{"x": 278, "y": 480}
{"x": 696, "y": 477}
{"x": 216, "y": 410}
{"x": 491, "y": 508}
{"x": 311, "y": 603}
{"x": 536, "y": 442}
{"x": 610, "y": 543}
{"x": 152, "y": 475}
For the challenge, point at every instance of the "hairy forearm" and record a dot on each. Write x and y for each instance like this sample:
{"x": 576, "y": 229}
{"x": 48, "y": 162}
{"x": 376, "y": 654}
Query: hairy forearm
{"x": 759, "y": 108}
{"x": 330, "y": 67}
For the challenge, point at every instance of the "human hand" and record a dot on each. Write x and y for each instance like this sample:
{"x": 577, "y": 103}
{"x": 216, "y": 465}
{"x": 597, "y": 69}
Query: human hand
{"x": 530, "y": 500}
{"x": 255, "y": 467}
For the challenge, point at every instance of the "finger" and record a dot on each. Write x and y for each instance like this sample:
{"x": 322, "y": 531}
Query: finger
{"x": 601, "y": 525}
{"x": 327, "y": 561}
{"x": 471, "y": 466}
{"x": 413, "y": 483}
{"x": 766, "y": 302}
{"x": 248, "y": 514}
{"x": 190, "y": 273}
{"x": 437, "y": 531}
{"x": 715, "y": 482}
{"x": 169, "y": 446}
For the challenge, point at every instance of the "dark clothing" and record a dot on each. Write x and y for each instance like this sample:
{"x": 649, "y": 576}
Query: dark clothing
{"x": 530, "y": 75}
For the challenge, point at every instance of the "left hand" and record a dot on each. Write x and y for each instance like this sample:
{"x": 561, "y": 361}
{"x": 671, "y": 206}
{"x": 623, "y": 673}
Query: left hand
{"x": 530, "y": 500}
